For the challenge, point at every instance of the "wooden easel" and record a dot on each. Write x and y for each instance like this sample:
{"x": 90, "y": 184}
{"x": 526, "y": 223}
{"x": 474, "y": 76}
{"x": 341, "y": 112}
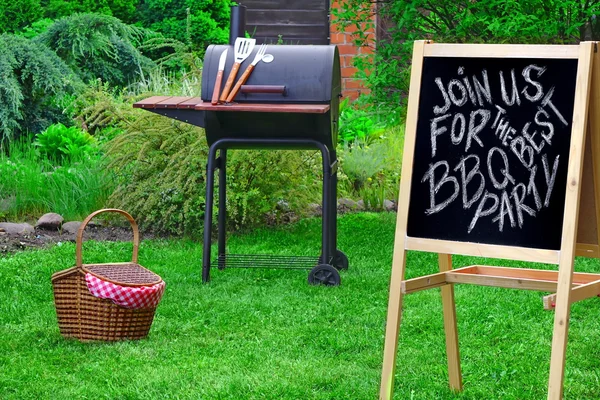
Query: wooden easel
{"x": 582, "y": 204}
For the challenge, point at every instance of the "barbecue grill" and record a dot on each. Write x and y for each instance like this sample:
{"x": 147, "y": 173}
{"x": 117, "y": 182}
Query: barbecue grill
{"x": 289, "y": 103}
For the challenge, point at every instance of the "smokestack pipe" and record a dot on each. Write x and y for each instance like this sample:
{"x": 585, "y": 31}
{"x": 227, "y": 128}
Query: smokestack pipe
{"x": 237, "y": 23}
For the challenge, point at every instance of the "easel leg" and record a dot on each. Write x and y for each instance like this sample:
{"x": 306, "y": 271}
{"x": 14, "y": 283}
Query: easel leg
{"x": 392, "y": 329}
{"x": 560, "y": 335}
{"x": 448, "y": 305}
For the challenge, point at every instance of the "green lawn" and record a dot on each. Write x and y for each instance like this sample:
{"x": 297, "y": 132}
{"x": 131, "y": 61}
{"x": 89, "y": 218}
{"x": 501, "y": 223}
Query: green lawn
{"x": 267, "y": 334}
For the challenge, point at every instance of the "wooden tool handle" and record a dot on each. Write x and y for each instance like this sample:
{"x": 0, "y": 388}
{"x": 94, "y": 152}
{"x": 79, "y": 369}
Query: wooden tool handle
{"x": 239, "y": 83}
{"x": 217, "y": 89}
{"x": 229, "y": 83}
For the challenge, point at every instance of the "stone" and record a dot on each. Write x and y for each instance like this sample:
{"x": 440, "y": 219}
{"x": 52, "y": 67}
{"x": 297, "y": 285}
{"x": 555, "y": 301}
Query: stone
{"x": 360, "y": 205}
{"x": 17, "y": 229}
{"x": 314, "y": 209}
{"x": 389, "y": 205}
{"x": 71, "y": 227}
{"x": 283, "y": 205}
{"x": 346, "y": 205}
{"x": 50, "y": 221}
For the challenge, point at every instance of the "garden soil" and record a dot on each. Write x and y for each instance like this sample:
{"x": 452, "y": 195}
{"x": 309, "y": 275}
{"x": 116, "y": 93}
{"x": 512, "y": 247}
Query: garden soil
{"x": 45, "y": 238}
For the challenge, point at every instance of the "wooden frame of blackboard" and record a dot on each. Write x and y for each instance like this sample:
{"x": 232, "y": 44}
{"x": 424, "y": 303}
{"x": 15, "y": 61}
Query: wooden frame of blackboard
{"x": 561, "y": 281}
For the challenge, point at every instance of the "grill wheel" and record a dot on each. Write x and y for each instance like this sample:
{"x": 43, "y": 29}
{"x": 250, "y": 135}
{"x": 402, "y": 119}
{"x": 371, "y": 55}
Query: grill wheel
{"x": 324, "y": 274}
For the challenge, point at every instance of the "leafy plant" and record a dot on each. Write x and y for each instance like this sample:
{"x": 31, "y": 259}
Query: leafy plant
{"x": 60, "y": 143}
{"x": 258, "y": 179}
{"x": 356, "y": 124}
{"x": 121, "y": 9}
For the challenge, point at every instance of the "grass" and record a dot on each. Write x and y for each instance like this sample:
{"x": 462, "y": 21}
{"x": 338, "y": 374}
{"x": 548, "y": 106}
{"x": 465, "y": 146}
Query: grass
{"x": 31, "y": 186}
{"x": 266, "y": 334}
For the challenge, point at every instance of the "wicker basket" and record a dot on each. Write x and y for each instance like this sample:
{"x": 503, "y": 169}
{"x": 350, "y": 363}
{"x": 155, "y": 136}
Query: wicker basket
{"x": 83, "y": 316}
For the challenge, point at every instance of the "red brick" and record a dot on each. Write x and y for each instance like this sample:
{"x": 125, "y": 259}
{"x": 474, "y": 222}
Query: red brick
{"x": 347, "y": 49}
{"x": 347, "y": 61}
{"x": 353, "y": 84}
{"x": 350, "y": 94}
{"x": 348, "y": 72}
{"x": 337, "y": 38}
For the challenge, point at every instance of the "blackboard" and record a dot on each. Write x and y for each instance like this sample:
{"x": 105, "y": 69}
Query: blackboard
{"x": 492, "y": 150}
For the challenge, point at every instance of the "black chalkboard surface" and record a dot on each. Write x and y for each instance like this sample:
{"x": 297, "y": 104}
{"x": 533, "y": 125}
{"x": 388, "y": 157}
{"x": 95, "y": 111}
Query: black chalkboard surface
{"x": 492, "y": 150}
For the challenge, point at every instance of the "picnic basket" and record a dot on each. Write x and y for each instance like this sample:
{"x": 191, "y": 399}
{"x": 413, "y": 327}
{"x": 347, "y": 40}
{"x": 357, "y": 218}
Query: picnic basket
{"x": 82, "y": 315}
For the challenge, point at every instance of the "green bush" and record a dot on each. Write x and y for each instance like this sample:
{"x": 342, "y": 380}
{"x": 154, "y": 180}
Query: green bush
{"x": 60, "y": 144}
{"x": 160, "y": 167}
{"x": 121, "y": 9}
{"x": 257, "y": 180}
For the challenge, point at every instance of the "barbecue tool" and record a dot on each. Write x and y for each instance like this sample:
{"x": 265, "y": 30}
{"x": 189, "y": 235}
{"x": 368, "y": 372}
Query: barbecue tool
{"x": 215, "y": 96}
{"x": 259, "y": 56}
{"x": 243, "y": 47}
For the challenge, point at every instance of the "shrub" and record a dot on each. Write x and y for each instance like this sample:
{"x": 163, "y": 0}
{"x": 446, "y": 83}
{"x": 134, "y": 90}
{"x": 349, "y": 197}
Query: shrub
{"x": 34, "y": 84}
{"x": 257, "y": 180}
{"x": 159, "y": 168}
{"x": 98, "y": 46}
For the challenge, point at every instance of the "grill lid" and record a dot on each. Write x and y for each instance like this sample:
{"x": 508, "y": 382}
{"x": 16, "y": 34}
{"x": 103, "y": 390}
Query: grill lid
{"x": 310, "y": 74}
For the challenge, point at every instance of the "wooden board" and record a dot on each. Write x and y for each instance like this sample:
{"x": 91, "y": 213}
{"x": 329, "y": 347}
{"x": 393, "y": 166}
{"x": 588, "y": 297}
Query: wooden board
{"x": 293, "y": 22}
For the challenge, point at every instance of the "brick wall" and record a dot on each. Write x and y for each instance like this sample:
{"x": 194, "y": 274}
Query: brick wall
{"x": 344, "y": 39}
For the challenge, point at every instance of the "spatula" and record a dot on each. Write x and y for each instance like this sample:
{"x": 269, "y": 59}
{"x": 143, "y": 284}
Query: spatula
{"x": 243, "y": 47}
{"x": 259, "y": 56}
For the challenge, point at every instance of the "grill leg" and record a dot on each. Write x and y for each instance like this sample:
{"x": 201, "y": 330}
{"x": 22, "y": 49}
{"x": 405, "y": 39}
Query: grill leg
{"x": 222, "y": 203}
{"x": 210, "y": 183}
{"x": 326, "y": 219}
{"x": 333, "y": 205}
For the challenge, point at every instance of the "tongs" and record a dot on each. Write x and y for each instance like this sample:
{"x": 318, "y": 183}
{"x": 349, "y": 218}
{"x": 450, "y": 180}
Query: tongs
{"x": 259, "y": 56}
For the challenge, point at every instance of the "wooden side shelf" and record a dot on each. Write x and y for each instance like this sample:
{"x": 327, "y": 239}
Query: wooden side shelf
{"x": 585, "y": 285}
{"x": 196, "y": 103}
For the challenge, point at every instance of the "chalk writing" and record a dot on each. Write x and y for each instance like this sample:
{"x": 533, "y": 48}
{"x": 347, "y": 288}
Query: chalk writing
{"x": 474, "y": 114}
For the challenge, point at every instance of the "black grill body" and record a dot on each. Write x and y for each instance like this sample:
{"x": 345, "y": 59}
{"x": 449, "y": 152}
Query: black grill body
{"x": 307, "y": 75}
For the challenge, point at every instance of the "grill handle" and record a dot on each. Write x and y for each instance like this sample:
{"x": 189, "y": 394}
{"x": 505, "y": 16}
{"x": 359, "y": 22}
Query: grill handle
{"x": 276, "y": 89}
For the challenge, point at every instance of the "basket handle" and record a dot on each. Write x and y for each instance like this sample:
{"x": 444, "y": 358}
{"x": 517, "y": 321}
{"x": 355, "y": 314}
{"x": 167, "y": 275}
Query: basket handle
{"x": 79, "y": 241}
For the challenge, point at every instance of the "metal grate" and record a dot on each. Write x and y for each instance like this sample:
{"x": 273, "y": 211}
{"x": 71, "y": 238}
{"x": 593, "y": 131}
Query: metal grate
{"x": 266, "y": 261}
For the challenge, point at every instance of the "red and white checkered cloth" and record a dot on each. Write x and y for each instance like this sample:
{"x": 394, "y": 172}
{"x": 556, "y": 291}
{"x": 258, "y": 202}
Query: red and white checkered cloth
{"x": 128, "y": 297}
